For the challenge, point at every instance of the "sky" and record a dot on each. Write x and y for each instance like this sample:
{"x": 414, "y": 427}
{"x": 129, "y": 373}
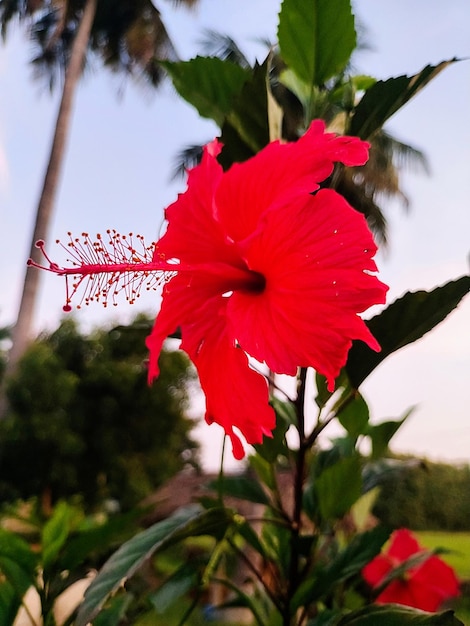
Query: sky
{"x": 121, "y": 152}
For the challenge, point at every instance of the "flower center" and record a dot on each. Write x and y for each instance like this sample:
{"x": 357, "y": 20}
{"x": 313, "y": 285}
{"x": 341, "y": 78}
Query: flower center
{"x": 255, "y": 284}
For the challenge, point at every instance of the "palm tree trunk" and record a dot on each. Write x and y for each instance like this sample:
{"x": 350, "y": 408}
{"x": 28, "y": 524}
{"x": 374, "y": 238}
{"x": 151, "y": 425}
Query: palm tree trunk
{"x": 22, "y": 331}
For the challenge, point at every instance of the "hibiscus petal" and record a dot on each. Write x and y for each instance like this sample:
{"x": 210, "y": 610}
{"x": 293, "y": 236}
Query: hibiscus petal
{"x": 397, "y": 592}
{"x": 435, "y": 581}
{"x": 193, "y": 234}
{"x": 279, "y": 172}
{"x": 182, "y": 302}
{"x": 423, "y": 597}
{"x": 403, "y": 545}
{"x": 236, "y": 395}
{"x": 412, "y": 592}
{"x": 315, "y": 254}
{"x": 167, "y": 321}
{"x": 375, "y": 571}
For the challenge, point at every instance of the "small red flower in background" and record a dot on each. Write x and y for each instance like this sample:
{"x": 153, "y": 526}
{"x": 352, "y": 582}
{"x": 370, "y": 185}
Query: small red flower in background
{"x": 425, "y": 585}
{"x": 266, "y": 269}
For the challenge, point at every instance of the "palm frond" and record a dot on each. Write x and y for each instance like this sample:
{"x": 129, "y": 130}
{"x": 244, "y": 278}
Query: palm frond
{"x": 131, "y": 39}
{"x": 403, "y": 155}
{"x": 224, "y": 47}
{"x": 51, "y": 46}
{"x": 186, "y": 159}
{"x": 128, "y": 36}
{"x": 13, "y": 9}
{"x": 351, "y": 184}
{"x": 363, "y": 37}
{"x": 187, "y": 3}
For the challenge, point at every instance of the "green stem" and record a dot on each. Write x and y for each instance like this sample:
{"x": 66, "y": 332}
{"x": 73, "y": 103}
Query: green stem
{"x": 220, "y": 485}
{"x": 293, "y": 582}
{"x": 321, "y": 425}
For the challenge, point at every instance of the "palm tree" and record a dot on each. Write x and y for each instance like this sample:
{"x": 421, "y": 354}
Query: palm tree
{"x": 127, "y": 35}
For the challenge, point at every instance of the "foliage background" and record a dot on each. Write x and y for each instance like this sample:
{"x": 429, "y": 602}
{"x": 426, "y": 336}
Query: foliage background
{"x": 428, "y": 496}
{"x": 85, "y": 421}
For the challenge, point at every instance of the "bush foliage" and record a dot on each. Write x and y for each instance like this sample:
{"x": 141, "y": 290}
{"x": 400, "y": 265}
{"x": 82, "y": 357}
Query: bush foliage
{"x": 83, "y": 419}
{"x": 429, "y": 496}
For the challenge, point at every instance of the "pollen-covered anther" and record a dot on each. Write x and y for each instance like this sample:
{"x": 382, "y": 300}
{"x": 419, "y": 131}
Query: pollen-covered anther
{"x": 104, "y": 268}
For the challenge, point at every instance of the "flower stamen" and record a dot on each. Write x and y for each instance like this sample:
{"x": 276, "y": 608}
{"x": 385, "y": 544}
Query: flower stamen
{"x": 101, "y": 270}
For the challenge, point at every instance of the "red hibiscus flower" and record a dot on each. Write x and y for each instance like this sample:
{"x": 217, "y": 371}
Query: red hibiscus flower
{"x": 258, "y": 262}
{"x": 424, "y": 585}
{"x": 264, "y": 268}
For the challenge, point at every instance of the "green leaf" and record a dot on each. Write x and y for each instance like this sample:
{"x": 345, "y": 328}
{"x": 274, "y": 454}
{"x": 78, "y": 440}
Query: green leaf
{"x": 19, "y": 579}
{"x": 16, "y": 549}
{"x": 324, "y": 459}
{"x": 242, "y": 487}
{"x": 186, "y": 522}
{"x": 348, "y": 563}
{"x": 323, "y": 395}
{"x": 328, "y": 617}
{"x": 304, "y": 91}
{"x": 404, "y": 321}
{"x": 385, "y": 98}
{"x": 338, "y": 487}
{"x": 277, "y": 542}
{"x": 381, "y": 434}
{"x": 99, "y": 539}
{"x": 10, "y": 603}
{"x": 394, "y": 615}
{"x": 274, "y": 446}
{"x": 264, "y": 470}
{"x": 249, "y": 535}
{"x": 112, "y": 614}
{"x": 285, "y": 411}
{"x": 363, "y": 82}
{"x": 246, "y": 128}
{"x": 242, "y": 599}
{"x": 362, "y": 549}
{"x": 361, "y": 510}
{"x": 354, "y": 417}
{"x": 209, "y": 84}
{"x": 182, "y": 581}
{"x": 55, "y": 533}
{"x": 17, "y": 563}
{"x": 316, "y": 37}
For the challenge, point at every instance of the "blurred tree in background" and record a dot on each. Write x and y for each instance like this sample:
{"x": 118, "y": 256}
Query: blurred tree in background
{"x": 84, "y": 421}
{"x": 428, "y": 496}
